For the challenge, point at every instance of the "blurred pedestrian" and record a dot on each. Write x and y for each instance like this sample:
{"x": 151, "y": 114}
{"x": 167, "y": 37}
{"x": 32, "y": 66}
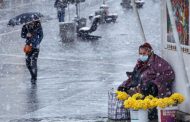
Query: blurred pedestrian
{"x": 1, "y": 3}
{"x": 33, "y": 34}
{"x": 61, "y": 5}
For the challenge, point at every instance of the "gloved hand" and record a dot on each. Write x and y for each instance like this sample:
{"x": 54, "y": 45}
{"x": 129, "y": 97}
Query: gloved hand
{"x": 149, "y": 89}
{"x": 125, "y": 89}
{"x": 129, "y": 74}
{"x": 29, "y": 35}
{"x": 120, "y": 88}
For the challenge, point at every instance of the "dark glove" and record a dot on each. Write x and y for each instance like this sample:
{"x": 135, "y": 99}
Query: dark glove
{"x": 144, "y": 90}
{"x": 149, "y": 89}
{"x": 129, "y": 74}
{"x": 120, "y": 88}
{"x": 125, "y": 89}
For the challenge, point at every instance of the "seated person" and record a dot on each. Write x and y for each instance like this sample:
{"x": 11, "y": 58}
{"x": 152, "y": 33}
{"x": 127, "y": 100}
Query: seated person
{"x": 151, "y": 75}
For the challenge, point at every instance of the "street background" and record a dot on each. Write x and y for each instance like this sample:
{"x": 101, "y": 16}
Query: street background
{"x": 73, "y": 77}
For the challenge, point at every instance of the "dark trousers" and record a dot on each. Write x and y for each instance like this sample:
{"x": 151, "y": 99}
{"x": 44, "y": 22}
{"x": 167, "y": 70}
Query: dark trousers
{"x": 31, "y": 63}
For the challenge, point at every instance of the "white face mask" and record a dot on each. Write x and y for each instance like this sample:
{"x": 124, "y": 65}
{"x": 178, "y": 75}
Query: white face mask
{"x": 143, "y": 58}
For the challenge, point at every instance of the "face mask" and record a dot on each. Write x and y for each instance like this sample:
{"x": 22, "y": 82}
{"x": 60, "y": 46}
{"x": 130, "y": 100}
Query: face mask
{"x": 143, "y": 58}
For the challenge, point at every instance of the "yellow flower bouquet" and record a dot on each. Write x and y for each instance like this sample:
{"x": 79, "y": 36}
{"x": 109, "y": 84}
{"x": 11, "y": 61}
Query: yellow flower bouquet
{"x": 138, "y": 101}
{"x": 169, "y": 105}
{"x": 138, "y": 107}
{"x": 121, "y": 95}
{"x": 139, "y": 104}
{"x": 177, "y": 98}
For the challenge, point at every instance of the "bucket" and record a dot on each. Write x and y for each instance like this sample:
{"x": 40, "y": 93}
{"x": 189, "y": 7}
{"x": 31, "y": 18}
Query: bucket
{"x": 139, "y": 115}
{"x": 168, "y": 114}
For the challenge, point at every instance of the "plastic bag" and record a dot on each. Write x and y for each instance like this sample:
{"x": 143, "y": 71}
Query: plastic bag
{"x": 116, "y": 110}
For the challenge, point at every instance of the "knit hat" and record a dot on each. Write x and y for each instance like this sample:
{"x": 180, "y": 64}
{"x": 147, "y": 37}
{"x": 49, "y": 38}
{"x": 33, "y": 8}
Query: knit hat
{"x": 146, "y": 46}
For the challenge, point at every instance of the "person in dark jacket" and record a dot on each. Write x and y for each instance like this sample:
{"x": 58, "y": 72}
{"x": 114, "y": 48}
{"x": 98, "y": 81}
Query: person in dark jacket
{"x": 33, "y": 34}
{"x": 151, "y": 75}
{"x": 61, "y": 5}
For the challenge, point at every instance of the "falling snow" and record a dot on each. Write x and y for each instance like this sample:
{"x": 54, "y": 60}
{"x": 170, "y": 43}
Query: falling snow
{"x": 73, "y": 77}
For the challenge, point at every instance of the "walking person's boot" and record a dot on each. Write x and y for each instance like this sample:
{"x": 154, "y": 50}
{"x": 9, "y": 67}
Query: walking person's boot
{"x": 34, "y": 67}
{"x": 34, "y": 76}
{"x": 28, "y": 65}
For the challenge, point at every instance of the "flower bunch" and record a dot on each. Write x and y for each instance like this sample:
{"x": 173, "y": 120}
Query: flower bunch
{"x": 150, "y": 97}
{"x": 151, "y": 101}
{"x": 137, "y": 96}
{"x": 122, "y": 95}
{"x": 129, "y": 103}
{"x": 164, "y": 102}
{"x": 137, "y": 101}
{"x": 173, "y": 100}
{"x": 177, "y": 98}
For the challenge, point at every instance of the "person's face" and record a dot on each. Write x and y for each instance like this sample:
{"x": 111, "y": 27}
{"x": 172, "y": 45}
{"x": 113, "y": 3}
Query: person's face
{"x": 31, "y": 25}
{"x": 143, "y": 52}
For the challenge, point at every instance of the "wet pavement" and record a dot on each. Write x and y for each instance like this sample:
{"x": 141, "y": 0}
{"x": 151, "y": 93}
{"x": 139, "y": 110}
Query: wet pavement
{"x": 74, "y": 77}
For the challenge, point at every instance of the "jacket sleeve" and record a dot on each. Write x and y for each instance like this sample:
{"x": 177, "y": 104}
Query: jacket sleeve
{"x": 129, "y": 74}
{"x": 23, "y": 32}
{"x": 40, "y": 35}
{"x": 164, "y": 72}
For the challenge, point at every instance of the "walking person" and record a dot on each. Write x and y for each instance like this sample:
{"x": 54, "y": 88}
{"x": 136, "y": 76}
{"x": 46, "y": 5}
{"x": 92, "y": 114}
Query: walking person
{"x": 33, "y": 34}
{"x": 1, "y": 3}
{"x": 61, "y": 5}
